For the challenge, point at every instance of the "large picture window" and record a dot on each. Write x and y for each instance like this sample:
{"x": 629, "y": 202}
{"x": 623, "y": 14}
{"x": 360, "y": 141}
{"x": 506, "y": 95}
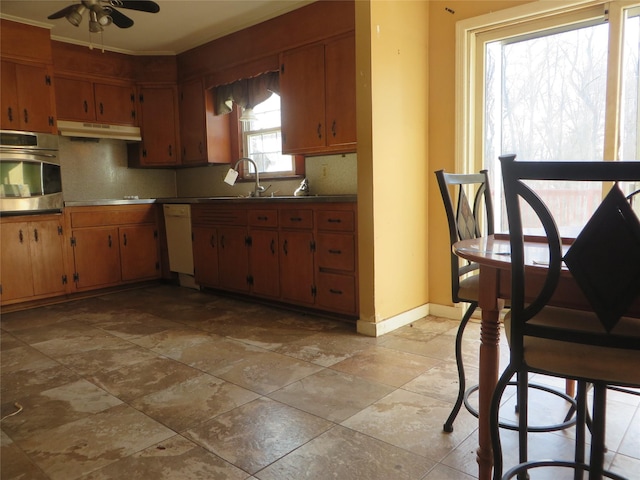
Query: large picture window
{"x": 550, "y": 82}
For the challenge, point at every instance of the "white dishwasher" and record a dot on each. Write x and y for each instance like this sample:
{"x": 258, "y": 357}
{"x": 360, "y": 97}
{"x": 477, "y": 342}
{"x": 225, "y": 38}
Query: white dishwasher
{"x": 177, "y": 220}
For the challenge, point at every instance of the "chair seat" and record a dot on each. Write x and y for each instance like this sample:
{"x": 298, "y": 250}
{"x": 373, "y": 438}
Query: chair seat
{"x": 574, "y": 360}
{"x": 469, "y": 288}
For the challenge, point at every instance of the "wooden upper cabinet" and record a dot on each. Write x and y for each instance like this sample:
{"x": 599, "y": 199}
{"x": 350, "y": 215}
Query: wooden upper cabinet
{"x": 84, "y": 100}
{"x": 158, "y": 112}
{"x": 204, "y": 136}
{"x": 317, "y": 84}
{"x": 27, "y": 98}
{"x": 302, "y": 99}
{"x": 340, "y": 92}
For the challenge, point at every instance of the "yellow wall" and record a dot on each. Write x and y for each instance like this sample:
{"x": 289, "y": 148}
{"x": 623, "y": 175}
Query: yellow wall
{"x": 392, "y": 76}
{"x": 406, "y": 127}
{"x": 442, "y": 36}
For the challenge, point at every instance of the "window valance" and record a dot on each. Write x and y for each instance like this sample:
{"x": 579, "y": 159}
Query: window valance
{"x": 246, "y": 93}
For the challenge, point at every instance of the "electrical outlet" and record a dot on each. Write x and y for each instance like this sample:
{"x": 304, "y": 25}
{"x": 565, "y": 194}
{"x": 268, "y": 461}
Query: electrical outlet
{"x": 324, "y": 171}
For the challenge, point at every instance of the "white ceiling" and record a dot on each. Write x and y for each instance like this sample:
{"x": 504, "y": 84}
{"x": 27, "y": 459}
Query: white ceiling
{"x": 179, "y": 25}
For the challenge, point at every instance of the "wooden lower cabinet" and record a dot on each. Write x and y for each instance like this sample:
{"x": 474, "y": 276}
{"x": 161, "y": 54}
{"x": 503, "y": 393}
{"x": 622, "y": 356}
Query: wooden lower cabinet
{"x": 264, "y": 261}
{"x": 303, "y": 256}
{"x": 296, "y": 267}
{"x": 205, "y": 254}
{"x": 233, "y": 260}
{"x": 112, "y": 245}
{"x": 96, "y": 256}
{"x": 32, "y": 258}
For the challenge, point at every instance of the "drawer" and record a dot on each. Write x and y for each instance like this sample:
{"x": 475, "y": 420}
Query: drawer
{"x": 296, "y": 218}
{"x": 205, "y": 215}
{"x": 263, "y": 218}
{"x": 336, "y": 220}
{"x": 336, "y": 251}
{"x": 336, "y": 292}
{"x": 96, "y": 217}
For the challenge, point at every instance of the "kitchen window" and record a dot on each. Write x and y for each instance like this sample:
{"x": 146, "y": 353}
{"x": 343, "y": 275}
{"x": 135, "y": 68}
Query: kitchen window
{"x": 262, "y": 140}
{"x": 550, "y": 81}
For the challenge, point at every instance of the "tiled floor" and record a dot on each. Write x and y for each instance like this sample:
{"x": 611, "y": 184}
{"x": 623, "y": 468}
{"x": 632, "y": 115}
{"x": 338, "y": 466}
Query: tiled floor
{"x": 171, "y": 383}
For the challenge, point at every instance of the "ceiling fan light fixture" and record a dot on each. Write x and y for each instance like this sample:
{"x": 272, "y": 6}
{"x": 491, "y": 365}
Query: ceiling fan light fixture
{"x": 94, "y": 24}
{"x": 75, "y": 16}
{"x": 101, "y": 16}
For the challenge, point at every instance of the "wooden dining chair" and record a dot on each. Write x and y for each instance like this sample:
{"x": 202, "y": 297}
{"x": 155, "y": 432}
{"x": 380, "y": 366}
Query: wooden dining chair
{"x": 600, "y": 346}
{"x": 464, "y": 222}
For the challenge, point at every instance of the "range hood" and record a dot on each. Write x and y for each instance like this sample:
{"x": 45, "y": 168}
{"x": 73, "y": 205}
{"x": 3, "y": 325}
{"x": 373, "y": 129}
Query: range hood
{"x": 98, "y": 130}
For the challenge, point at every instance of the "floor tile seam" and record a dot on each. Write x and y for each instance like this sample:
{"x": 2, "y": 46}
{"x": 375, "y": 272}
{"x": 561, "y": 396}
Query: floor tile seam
{"x": 27, "y": 457}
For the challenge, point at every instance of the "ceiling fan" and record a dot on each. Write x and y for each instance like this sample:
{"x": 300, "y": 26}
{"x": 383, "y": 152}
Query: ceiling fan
{"x": 103, "y": 12}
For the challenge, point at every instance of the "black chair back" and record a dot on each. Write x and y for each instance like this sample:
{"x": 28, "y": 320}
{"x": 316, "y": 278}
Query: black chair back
{"x": 465, "y": 221}
{"x": 604, "y": 259}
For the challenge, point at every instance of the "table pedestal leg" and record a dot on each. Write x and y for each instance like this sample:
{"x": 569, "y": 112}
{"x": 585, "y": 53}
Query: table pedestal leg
{"x": 489, "y": 364}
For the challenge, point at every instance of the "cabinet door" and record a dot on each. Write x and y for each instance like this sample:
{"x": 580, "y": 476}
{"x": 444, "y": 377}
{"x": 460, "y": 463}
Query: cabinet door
{"x": 96, "y": 253}
{"x": 35, "y": 98}
{"x": 192, "y": 122}
{"x": 139, "y": 257}
{"x": 263, "y": 260}
{"x": 205, "y": 256}
{"x": 115, "y": 104}
{"x": 10, "y": 119}
{"x": 340, "y": 88}
{"x": 74, "y": 99}
{"x": 16, "y": 274}
{"x": 158, "y": 125}
{"x": 46, "y": 246}
{"x": 296, "y": 267}
{"x": 233, "y": 258}
{"x": 303, "y": 99}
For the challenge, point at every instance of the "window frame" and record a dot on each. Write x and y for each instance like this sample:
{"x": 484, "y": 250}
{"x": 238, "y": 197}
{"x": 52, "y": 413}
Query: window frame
{"x": 473, "y": 33}
{"x": 244, "y": 171}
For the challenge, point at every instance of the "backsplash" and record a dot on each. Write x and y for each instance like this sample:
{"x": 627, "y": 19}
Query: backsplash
{"x": 93, "y": 170}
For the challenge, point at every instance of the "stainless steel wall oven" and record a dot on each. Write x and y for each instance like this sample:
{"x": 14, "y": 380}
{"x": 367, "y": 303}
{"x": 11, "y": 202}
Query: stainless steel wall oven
{"x": 29, "y": 173}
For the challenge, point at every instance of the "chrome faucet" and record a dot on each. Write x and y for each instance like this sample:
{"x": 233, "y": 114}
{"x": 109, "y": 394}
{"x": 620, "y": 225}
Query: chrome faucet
{"x": 258, "y": 189}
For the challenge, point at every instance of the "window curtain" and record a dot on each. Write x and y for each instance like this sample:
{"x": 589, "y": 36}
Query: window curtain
{"x": 246, "y": 93}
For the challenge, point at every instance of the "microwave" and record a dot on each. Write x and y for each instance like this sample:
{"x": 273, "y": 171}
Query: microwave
{"x": 30, "y": 178}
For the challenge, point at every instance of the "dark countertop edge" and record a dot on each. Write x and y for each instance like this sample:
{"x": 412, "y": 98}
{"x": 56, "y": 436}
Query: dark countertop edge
{"x": 219, "y": 200}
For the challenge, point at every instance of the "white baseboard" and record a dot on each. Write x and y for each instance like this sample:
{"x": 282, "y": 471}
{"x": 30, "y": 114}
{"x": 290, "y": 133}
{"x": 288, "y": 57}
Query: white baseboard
{"x": 376, "y": 329}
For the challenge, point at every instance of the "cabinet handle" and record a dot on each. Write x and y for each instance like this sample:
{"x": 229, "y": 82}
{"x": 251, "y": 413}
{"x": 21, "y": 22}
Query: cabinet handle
{"x": 101, "y": 108}
{"x": 109, "y": 241}
{"x": 333, "y": 128}
{"x": 10, "y": 114}
{"x": 86, "y": 106}
{"x": 35, "y": 234}
{"x": 200, "y": 147}
{"x": 263, "y": 218}
{"x": 335, "y": 252}
{"x": 295, "y": 219}
{"x": 222, "y": 241}
{"x": 334, "y": 291}
{"x": 273, "y": 246}
{"x": 170, "y": 151}
{"x": 334, "y": 220}
{"x": 212, "y": 241}
{"x": 26, "y": 116}
{"x": 285, "y": 247}
{"x": 124, "y": 239}
{"x": 319, "y": 130}
{"x": 20, "y": 236}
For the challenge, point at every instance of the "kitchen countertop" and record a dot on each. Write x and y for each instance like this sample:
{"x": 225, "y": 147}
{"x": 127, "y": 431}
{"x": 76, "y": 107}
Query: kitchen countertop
{"x": 234, "y": 200}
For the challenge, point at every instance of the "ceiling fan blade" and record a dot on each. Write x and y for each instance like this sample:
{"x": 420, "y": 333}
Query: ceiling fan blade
{"x": 119, "y": 19}
{"x": 62, "y": 13}
{"x": 142, "y": 5}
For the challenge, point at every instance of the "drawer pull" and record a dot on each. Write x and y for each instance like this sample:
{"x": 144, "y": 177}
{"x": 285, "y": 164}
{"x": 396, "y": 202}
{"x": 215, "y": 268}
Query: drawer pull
{"x": 335, "y": 252}
{"x": 263, "y": 218}
{"x": 334, "y": 291}
{"x": 295, "y": 219}
{"x": 334, "y": 220}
